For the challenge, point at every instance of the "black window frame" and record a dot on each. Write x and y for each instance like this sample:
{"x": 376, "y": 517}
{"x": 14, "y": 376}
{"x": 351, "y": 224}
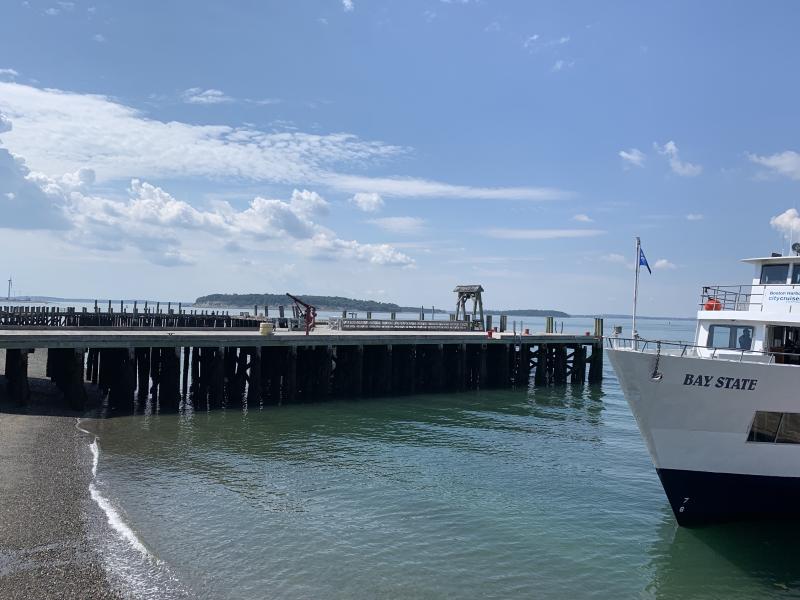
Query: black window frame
{"x": 772, "y": 266}
{"x": 771, "y": 437}
{"x": 733, "y": 338}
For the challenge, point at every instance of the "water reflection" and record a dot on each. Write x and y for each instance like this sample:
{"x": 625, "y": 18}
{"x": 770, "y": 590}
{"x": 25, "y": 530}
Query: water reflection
{"x": 737, "y": 560}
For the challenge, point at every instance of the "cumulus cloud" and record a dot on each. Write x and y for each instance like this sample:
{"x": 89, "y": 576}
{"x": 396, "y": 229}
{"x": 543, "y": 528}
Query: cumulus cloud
{"x": 541, "y": 234}
{"x": 23, "y": 202}
{"x": 401, "y": 225}
{"x": 632, "y": 157}
{"x": 5, "y": 124}
{"x": 119, "y": 142}
{"x": 347, "y": 5}
{"x": 9, "y": 73}
{"x": 201, "y": 96}
{"x": 368, "y": 201}
{"x": 787, "y": 223}
{"x": 154, "y": 223}
{"x": 582, "y": 218}
{"x": 679, "y": 167}
{"x": 785, "y": 163}
{"x": 663, "y": 264}
{"x": 99, "y": 38}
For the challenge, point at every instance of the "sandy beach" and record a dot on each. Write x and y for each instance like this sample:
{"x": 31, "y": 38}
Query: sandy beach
{"x": 45, "y": 470}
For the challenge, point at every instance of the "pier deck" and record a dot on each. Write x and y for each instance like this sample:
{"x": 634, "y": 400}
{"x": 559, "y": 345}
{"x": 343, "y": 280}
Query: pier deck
{"x": 89, "y": 337}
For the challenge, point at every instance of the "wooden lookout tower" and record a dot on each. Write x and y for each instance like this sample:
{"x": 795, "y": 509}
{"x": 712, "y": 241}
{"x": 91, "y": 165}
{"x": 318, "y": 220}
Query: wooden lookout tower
{"x": 465, "y": 293}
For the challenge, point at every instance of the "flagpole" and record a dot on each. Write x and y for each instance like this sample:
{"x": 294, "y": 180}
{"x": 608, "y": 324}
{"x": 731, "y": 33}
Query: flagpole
{"x": 636, "y": 287}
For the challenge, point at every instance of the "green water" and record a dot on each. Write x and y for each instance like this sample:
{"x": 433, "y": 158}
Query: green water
{"x": 545, "y": 493}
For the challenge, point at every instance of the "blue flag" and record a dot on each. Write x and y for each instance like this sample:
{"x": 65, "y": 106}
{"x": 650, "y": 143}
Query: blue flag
{"x": 643, "y": 261}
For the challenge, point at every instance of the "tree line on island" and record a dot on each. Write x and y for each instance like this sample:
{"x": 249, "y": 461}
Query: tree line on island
{"x": 337, "y": 303}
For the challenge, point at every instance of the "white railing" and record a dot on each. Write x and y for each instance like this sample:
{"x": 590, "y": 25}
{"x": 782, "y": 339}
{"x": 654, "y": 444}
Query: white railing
{"x": 684, "y": 349}
{"x": 774, "y": 297}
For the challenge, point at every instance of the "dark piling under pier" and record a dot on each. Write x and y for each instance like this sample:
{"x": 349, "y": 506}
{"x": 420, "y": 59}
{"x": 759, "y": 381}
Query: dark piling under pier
{"x": 215, "y": 367}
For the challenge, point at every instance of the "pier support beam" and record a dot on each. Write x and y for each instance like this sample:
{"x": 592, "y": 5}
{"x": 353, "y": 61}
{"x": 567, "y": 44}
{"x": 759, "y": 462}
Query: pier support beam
{"x": 17, "y": 376}
{"x": 254, "y": 378}
{"x": 216, "y": 379}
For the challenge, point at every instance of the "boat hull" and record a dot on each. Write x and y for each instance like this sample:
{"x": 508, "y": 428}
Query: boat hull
{"x": 700, "y": 498}
{"x": 697, "y": 434}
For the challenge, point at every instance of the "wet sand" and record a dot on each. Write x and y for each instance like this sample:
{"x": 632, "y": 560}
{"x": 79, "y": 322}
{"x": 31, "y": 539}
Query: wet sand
{"x": 45, "y": 471}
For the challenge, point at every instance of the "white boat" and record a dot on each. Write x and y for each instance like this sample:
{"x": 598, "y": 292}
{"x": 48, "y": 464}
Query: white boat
{"x": 721, "y": 416}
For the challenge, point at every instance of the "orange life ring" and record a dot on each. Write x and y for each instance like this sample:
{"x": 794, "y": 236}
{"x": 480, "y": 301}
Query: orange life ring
{"x": 712, "y": 304}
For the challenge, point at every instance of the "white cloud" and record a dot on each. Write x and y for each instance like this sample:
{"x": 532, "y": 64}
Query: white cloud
{"x": 119, "y": 142}
{"x": 5, "y": 124}
{"x": 10, "y": 73}
{"x": 409, "y": 187}
{"x": 347, "y": 5}
{"x": 582, "y": 218}
{"x": 368, "y": 201}
{"x": 400, "y": 225}
{"x": 633, "y": 157}
{"x": 694, "y": 217}
{"x": 618, "y": 259}
{"x": 788, "y": 224}
{"x": 679, "y": 167}
{"x": 785, "y": 163}
{"x": 530, "y": 40}
{"x": 561, "y": 64}
{"x": 664, "y": 264}
{"x": 155, "y": 223}
{"x": 52, "y": 12}
{"x": 24, "y": 204}
{"x": 99, "y": 38}
{"x": 541, "y": 234}
{"x": 201, "y": 96}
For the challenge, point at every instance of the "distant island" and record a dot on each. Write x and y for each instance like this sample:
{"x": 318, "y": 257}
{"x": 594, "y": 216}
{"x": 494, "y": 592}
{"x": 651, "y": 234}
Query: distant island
{"x": 335, "y": 303}
{"x": 329, "y": 303}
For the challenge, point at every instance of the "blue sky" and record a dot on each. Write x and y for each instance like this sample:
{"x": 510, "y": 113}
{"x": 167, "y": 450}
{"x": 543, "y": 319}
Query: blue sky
{"x": 395, "y": 149}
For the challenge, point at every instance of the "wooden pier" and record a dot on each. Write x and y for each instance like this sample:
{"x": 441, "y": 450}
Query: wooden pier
{"x": 175, "y": 360}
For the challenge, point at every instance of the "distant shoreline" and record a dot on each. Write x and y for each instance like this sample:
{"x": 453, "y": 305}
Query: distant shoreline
{"x": 359, "y": 306}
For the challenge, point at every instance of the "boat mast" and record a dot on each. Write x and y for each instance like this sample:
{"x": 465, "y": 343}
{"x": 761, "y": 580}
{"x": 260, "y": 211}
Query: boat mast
{"x": 636, "y": 286}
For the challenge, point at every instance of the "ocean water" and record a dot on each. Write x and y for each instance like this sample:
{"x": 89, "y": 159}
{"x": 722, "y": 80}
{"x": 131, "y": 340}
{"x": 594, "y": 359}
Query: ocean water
{"x": 540, "y": 493}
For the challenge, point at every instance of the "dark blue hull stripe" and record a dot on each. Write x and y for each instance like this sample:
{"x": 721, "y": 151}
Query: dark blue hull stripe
{"x": 700, "y": 498}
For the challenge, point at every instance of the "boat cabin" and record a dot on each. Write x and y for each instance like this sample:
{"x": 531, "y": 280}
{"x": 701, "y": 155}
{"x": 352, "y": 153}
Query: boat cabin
{"x": 763, "y": 316}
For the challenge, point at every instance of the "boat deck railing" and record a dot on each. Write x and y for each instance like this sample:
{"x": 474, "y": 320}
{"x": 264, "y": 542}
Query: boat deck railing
{"x": 749, "y": 297}
{"x": 685, "y": 349}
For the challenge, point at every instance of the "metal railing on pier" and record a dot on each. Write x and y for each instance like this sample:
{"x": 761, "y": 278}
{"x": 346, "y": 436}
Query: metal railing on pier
{"x": 350, "y": 324}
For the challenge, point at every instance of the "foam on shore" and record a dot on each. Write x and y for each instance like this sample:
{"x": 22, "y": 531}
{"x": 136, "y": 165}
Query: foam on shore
{"x": 126, "y": 558}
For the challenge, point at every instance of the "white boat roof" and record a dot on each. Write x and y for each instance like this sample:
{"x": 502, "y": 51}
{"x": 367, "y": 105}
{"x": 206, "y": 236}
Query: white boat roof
{"x": 771, "y": 259}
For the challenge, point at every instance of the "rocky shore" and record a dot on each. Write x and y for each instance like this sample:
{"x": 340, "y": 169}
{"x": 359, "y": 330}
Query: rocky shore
{"x": 45, "y": 471}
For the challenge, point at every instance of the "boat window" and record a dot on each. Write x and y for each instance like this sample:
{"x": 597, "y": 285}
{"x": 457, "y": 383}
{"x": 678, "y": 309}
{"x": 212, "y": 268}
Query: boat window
{"x": 774, "y": 273}
{"x": 730, "y": 336}
{"x": 789, "y": 430}
{"x": 775, "y": 428}
{"x": 796, "y": 273}
{"x": 765, "y": 426}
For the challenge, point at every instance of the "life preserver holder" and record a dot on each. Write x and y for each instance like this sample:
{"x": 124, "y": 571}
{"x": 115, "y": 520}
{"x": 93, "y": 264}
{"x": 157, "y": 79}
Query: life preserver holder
{"x": 712, "y": 304}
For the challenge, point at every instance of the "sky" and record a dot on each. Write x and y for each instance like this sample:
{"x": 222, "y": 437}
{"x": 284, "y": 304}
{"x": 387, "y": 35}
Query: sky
{"x": 392, "y": 149}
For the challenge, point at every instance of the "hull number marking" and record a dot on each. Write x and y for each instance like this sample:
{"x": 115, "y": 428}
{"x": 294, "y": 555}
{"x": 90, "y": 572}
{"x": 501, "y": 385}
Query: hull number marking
{"x": 728, "y": 383}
